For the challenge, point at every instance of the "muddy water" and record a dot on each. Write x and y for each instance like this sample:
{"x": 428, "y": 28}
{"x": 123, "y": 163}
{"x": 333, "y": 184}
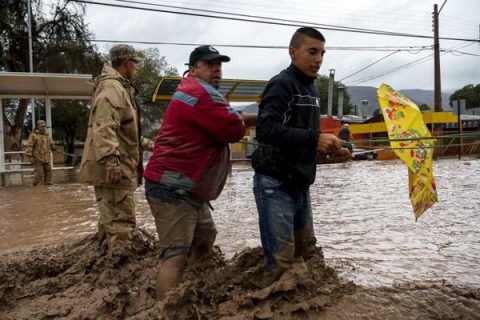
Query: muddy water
{"x": 362, "y": 216}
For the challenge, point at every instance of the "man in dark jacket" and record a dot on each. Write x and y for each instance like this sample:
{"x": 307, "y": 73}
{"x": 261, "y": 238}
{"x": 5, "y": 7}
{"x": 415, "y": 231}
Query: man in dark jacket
{"x": 289, "y": 133}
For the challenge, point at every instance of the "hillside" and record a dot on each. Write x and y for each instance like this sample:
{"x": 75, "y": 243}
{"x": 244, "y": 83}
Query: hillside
{"x": 359, "y": 93}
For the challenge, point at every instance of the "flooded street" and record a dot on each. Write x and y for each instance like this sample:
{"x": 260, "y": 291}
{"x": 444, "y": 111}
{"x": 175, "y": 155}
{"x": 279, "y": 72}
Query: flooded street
{"x": 362, "y": 215}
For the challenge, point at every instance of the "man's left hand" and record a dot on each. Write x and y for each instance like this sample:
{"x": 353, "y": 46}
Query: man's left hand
{"x": 344, "y": 152}
{"x": 250, "y": 119}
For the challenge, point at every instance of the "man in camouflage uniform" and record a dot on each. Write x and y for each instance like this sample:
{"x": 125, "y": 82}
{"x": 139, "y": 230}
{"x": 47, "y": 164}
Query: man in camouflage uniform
{"x": 112, "y": 157}
{"x": 38, "y": 150}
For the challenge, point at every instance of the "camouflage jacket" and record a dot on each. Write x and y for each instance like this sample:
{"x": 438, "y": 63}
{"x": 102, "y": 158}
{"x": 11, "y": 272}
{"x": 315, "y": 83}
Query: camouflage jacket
{"x": 113, "y": 136}
{"x": 38, "y": 147}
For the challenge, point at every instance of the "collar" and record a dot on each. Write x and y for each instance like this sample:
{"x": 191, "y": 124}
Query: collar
{"x": 112, "y": 73}
{"x": 201, "y": 81}
{"x": 300, "y": 75}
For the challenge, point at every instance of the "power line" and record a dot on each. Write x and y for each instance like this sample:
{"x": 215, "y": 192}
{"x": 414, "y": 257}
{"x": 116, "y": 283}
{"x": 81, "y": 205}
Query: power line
{"x": 407, "y": 65}
{"x": 325, "y": 26}
{"x": 312, "y": 11}
{"x": 368, "y": 66}
{"x": 461, "y": 53}
{"x": 242, "y": 15}
{"x": 398, "y": 68}
{"x": 339, "y": 48}
{"x": 273, "y": 21}
{"x": 395, "y": 49}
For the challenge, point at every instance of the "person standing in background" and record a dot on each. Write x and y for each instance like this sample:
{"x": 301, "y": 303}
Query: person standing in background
{"x": 38, "y": 149}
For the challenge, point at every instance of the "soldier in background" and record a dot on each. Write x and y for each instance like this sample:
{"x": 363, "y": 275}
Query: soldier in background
{"x": 38, "y": 150}
{"x": 112, "y": 157}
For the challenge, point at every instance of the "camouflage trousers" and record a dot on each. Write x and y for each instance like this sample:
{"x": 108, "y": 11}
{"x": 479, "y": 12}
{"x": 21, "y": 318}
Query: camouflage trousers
{"x": 117, "y": 216}
{"x": 42, "y": 172}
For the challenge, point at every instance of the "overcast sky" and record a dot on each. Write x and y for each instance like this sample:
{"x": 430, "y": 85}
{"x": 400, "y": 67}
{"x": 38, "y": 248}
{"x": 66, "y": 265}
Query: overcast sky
{"x": 458, "y": 19}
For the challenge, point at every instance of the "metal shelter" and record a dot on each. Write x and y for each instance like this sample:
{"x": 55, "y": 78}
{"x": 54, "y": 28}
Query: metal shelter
{"x": 235, "y": 90}
{"x": 46, "y": 86}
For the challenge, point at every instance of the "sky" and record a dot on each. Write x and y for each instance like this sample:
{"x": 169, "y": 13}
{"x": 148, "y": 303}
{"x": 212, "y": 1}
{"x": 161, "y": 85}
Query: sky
{"x": 458, "y": 19}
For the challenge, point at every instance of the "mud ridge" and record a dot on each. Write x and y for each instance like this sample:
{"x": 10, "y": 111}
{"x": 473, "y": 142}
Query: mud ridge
{"x": 78, "y": 280}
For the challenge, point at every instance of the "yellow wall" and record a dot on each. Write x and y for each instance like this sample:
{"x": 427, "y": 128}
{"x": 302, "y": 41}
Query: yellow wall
{"x": 428, "y": 117}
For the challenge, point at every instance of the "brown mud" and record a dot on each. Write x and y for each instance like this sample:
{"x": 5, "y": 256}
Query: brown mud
{"x": 78, "y": 280}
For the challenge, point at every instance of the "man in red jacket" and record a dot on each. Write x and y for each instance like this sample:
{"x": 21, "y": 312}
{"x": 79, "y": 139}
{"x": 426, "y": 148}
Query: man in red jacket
{"x": 189, "y": 165}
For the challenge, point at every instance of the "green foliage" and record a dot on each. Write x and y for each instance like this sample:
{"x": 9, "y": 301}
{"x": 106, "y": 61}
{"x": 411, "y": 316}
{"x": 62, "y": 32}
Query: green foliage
{"x": 153, "y": 67}
{"x": 424, "y": 107}
{"x": 322, "y": 85}
{"x": 14, "y": 35}
{"x": 56, "y": 49}
{"x": 70, "y": 121}
{"x": 471, "y": 93}
{"x": 62, "y": 44}
{"x": 55, "y": 35}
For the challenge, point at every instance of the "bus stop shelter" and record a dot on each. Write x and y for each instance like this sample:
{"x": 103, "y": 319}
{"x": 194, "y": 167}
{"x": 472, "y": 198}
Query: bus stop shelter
{"x": 42, "y": 86}
{"x": 233, "y": 90}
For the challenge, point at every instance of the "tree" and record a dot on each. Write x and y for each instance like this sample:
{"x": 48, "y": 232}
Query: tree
{"x": 471, "y": 93}
{"x": 61, "y": 43}
{"x": 322, "y": 85}
{"x": 13, "y": 40}
{"x": 64, "y": 55}
{"x": 70, "y": 123}
{"x": 424, "y": 107}
{"x": 153, "y": 67}
{"x": 71, "y": 117}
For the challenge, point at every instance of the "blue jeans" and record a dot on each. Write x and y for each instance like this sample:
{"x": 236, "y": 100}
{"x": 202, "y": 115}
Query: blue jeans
{"x": 285, "y": 218}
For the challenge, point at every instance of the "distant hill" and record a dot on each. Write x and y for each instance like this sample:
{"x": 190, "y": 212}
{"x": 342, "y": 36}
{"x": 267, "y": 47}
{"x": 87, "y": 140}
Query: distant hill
{"x": 359, "y": 93}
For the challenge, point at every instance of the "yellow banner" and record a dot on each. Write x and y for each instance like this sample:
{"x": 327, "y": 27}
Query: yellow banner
{"x": 405, "y": 126}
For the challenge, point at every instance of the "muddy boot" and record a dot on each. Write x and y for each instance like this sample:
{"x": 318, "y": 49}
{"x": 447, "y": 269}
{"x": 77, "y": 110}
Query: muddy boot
{"x": 101, "y": 234}
{"x": 120, "y": 253}
{"x": 265, "y": 277}
{"x": 305, "y": 242}
{"x": 129, "y": 244}
{"x": 140, "y": 240}
{"x": 119, "y": 245}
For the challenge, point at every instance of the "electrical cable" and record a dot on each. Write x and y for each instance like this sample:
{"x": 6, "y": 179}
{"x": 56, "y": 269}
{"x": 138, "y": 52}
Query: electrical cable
{"x": 408, "y": 65}
{"x": 340, "y": 48}
{"x": 368, "y": 66}
{"x": 273, "y": 22}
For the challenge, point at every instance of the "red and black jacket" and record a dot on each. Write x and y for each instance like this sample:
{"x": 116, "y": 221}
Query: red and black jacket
{"x": 191, "y": 150}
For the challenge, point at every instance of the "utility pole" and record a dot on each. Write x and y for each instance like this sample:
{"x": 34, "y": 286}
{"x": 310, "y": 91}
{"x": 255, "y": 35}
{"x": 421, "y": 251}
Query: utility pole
{"x": 340, "y": 91}
{"x": 30, "y": 56}
{"x": 331, "y": 79}
{"x": 436, "y": 48}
